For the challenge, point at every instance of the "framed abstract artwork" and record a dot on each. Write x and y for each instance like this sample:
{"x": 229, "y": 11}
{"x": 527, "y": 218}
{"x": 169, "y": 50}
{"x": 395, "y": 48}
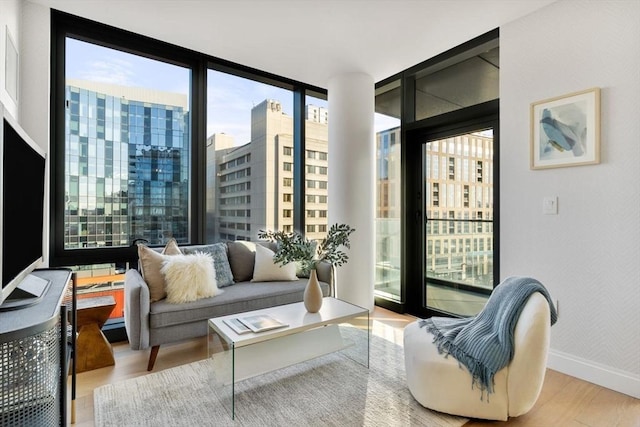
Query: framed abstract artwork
{"x": 565, "y": 130}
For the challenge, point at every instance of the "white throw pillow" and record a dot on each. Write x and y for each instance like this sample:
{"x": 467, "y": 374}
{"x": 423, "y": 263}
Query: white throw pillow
{"x": 189, "y": 277}
{"x": 266, "y": 270}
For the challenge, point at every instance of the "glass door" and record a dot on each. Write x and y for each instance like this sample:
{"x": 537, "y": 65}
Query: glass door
{"x": 437, "y": 211}
{"x": 458, "y": 213}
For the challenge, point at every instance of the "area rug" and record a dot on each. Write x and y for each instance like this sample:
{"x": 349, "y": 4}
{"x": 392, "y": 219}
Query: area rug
{"x": 332, "y": 390}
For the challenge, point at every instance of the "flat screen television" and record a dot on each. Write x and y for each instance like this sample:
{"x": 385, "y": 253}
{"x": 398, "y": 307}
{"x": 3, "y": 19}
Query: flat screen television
{"x": 22, "y": 190}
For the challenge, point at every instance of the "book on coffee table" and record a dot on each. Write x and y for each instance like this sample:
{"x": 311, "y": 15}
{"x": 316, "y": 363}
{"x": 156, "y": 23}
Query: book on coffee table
{"x": 256, "y": 323}
{"x": 237, "y": 325}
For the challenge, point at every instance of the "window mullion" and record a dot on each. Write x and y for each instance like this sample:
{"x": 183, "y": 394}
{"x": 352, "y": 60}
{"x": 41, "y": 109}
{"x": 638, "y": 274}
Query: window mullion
{"x": 299, "y": 148}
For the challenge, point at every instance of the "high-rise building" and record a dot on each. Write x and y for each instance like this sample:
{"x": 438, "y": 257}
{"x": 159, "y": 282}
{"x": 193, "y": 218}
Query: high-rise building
{"x": 459, "y": 208}
{"x": 388, "y": 212}
{"x": 316, "y": 114}
{"x": 388, "y": 173}
{"x": 127, "y": 165}
{"x": 250, "y": 187}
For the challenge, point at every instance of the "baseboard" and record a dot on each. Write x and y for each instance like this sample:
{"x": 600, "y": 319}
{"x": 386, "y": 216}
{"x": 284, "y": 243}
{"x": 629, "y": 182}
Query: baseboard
{"x": 605, "y": 376}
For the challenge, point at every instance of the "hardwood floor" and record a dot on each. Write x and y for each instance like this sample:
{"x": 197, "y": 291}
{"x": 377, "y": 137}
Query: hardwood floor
{"x": 565, "y": 401}
{"x": 569, "y": 402}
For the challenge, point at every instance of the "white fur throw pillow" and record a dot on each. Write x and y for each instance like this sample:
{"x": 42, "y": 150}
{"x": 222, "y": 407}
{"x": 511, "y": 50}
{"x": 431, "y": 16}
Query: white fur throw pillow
{"x": 265, "y": 270}
{"x": 189, "y": 277}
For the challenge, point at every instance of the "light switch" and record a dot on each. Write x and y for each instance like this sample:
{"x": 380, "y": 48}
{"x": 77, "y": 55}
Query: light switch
{"x": 550, "y": 205}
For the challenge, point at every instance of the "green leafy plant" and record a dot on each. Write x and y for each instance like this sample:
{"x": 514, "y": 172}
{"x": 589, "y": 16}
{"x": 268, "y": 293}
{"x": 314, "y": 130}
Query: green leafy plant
{"x": 294, "y": 247}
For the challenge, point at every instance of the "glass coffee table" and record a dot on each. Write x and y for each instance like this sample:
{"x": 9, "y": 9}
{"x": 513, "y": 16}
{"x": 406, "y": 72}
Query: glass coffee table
{"x": 338, "y": 326}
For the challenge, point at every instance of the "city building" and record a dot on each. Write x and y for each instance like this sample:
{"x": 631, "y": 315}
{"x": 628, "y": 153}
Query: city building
{"x": 317, "y": 114}
{"x": 388, "y": 173}
{"x": 251, "y": 186}
{"x": 459, "y": 208}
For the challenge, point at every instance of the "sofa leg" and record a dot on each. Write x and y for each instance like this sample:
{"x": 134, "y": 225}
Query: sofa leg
{"x": 152, "y": 357}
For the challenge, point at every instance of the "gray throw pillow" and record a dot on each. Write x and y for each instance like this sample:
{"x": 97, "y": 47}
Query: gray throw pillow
{"x": 242, "y": 258}
{"x": 218, "y": 252}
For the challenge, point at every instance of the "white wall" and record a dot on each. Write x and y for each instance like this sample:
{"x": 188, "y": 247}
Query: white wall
{"x": 29, "y": 25}
{"x": 9, "y": 22}
{"x": 589, "y": 254}
{"x": 34, "y": 72}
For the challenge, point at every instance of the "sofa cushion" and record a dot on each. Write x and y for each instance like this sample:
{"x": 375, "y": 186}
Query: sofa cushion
{"x": 189, "y": 278}
{"x": 242, "y": 258}
{"x": 150, "y": 264}
{"x": 267, "y": 270}
{"x": 218, "y": 251}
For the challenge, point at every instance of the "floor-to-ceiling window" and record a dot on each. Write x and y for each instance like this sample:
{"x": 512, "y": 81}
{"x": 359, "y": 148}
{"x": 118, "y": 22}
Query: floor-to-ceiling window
{"x": 151, "y": 141}
{"x": 126, "y": 158}
{"x": 446, "y": 124}
{"x": 251, "y": 160}
{"x": 249, "y": 157}
{"x": 388, "y": 192}
{"x": 127, "y": 150}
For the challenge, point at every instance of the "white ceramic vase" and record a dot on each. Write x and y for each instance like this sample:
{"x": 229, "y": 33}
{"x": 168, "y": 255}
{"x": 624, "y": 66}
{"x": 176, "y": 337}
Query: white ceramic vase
{"x": 313, "y": 294}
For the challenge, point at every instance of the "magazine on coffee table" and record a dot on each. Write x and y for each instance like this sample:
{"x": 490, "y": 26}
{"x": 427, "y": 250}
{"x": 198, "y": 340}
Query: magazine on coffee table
{"x": 237, "y": 326}
{"x": 256, "y": 323}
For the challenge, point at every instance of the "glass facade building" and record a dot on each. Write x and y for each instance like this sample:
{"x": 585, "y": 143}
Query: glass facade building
{"x": 126, "y": 166}
{"x": 388, "y": 213}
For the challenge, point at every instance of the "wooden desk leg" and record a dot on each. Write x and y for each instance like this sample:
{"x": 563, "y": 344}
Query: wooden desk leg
{"x": 93, "y": 349}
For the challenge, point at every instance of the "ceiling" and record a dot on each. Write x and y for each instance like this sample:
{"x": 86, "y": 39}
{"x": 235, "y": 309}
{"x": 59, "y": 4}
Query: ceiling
{"x": 309, "y": 40}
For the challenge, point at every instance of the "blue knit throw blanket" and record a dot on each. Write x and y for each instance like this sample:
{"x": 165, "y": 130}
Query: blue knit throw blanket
{"x": 484, "y": 343}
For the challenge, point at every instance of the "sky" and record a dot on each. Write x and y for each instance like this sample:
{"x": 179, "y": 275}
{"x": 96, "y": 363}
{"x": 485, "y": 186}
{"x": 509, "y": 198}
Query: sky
{"x": 229, "y": 98}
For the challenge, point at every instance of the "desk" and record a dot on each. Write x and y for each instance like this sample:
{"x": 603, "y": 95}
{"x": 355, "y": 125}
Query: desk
{"x": 93, "y": 349}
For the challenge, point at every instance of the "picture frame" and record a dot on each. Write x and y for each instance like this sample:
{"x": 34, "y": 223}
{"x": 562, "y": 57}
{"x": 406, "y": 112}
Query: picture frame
{"x": 565, "y": 130}
{"x": 11, "y": 66}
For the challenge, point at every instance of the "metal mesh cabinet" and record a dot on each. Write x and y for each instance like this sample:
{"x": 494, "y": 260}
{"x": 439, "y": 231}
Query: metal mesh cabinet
{"x": 36, "y": 343}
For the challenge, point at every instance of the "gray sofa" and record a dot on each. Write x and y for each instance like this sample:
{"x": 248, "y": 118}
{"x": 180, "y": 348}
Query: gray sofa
{"x": 151, "y": 324}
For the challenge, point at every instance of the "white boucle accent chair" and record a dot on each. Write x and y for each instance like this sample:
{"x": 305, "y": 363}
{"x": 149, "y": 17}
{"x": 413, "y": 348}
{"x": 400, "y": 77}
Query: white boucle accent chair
{"x": 442, "y": 384}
